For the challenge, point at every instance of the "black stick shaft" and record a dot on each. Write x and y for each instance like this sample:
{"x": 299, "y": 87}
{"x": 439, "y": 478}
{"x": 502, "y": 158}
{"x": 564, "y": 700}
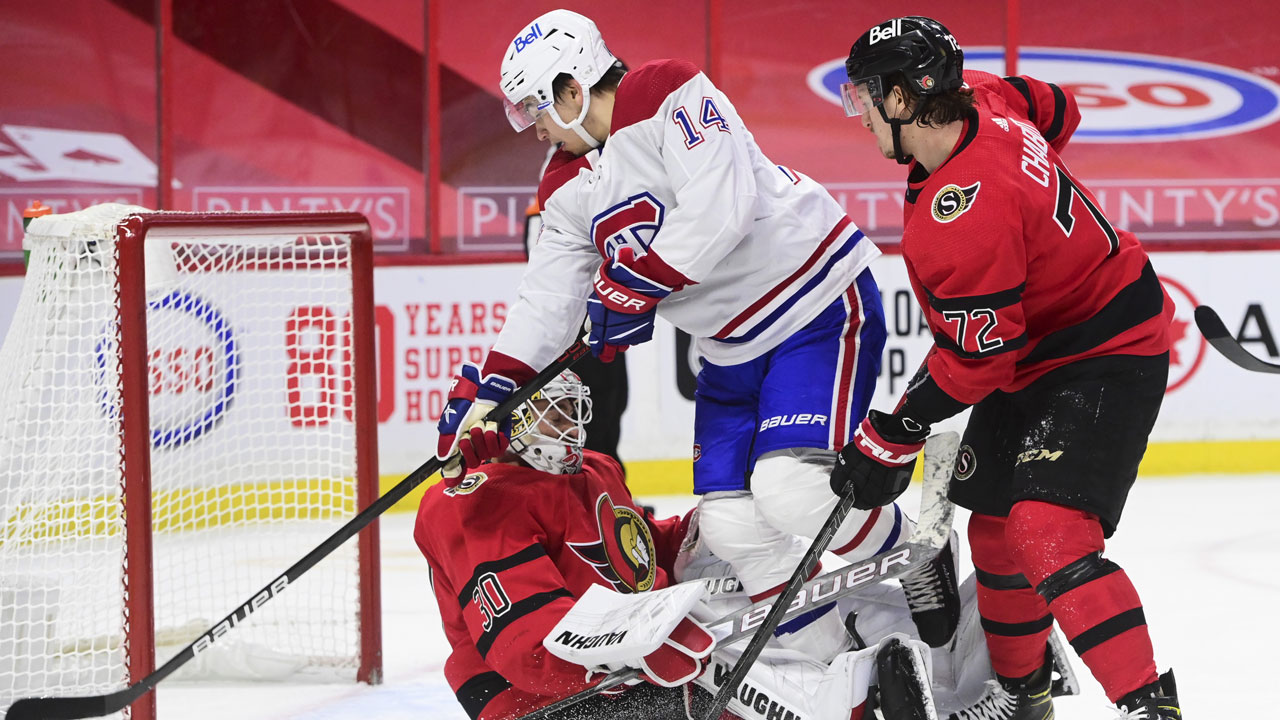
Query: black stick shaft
{"x": 72, "y": 708}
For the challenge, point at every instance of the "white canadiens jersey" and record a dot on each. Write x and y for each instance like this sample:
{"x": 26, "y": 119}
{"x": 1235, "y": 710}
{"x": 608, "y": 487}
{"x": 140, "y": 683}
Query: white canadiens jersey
{"x": 755, "y": 249}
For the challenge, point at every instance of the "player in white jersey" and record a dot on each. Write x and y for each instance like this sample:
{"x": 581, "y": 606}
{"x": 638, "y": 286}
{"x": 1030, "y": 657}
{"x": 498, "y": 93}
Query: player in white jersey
{"x": 661, "y": 202}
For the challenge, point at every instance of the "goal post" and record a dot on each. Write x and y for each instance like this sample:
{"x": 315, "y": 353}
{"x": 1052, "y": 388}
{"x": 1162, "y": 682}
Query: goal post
{"x": 187, "y": 405}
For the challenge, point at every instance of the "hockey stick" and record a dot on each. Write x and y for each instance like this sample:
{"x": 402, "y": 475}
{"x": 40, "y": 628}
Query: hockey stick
{"x": 1215, "y": 331}
{"x": 940, "y": 455}
{"x": 70, "y": 708}
{"x": 761, "y": 618}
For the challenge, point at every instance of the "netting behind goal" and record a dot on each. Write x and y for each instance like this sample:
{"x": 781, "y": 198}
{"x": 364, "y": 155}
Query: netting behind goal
{"x": 246, "y": 406}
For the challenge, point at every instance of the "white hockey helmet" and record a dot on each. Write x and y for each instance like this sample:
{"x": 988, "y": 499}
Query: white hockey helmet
{"x": 549, "y": 430}
{"x": 561, "y": 41}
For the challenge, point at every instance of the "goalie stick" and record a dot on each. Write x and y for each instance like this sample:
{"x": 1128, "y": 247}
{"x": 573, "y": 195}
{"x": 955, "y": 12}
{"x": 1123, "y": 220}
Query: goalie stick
{"x": 1215, "y": 331}
{"x": 70, "y": 708}
{"x": 759, "y": 620}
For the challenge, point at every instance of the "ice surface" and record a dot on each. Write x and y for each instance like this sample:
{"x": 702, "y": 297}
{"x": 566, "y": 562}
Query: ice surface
{"x": 1204, "y": 552}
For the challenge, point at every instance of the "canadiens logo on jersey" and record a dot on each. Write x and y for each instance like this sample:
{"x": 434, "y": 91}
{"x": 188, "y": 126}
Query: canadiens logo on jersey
{"x": 631, "y": 223}
{"x": 624, "y": 554}
{"x": 952, "y": 201}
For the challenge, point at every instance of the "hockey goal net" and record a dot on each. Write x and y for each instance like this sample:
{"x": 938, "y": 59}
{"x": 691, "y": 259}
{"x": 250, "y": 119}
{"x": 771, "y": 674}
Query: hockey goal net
{"x": 186, "y": 407}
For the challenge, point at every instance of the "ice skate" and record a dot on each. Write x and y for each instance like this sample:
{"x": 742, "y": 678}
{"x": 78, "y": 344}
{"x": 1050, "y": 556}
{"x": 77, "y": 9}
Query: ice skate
{"x": 934, "y": 597}
{"x": 1158, "y": 701}
{"x": 1029, "y": 700}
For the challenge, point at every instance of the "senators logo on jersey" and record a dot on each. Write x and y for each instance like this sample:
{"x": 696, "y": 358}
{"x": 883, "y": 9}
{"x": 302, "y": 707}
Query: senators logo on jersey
{"x": 625, "y": 554}
{"x": 952, "y": 201}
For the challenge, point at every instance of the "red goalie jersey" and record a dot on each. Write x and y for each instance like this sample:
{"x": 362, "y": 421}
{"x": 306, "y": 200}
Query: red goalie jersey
{"x": 510, "y": 549}
{"x": 1017, "y": 268}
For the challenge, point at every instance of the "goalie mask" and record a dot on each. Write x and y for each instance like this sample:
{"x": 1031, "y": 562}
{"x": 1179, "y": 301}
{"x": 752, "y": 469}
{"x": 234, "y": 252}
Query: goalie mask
{"x": 559, "y": 42}
{"x": 549, "y": 429}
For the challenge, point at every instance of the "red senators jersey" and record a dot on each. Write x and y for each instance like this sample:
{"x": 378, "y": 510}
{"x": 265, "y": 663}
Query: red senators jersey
{"x": 510, "y": 549}
{"x": 1016, "y": 266}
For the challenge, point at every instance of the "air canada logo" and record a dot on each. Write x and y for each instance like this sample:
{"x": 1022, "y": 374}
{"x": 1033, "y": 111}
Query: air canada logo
{"x": 952, "y": 200}
{"x": 1186, "y": 346}
{"x": 624, "y": 554}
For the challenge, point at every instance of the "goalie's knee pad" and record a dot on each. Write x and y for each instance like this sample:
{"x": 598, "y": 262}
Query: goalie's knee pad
{"x": 793, "y": 493}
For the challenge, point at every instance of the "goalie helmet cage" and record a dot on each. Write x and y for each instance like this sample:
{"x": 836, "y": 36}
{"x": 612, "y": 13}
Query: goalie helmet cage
{"x": 187, "y": 405}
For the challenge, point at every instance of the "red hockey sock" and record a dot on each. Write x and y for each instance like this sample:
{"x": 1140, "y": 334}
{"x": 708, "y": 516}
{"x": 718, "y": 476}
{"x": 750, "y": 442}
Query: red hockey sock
{"x": 1015, "y": 619}
{"x": 1059, "y": 550}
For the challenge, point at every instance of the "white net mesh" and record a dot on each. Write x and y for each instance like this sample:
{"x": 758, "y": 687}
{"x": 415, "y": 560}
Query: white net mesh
{"x": 252, "y": 460}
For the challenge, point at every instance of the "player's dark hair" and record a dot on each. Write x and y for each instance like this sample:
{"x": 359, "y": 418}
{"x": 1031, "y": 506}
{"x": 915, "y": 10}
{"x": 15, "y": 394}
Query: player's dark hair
{"x": 608, "y": 82}
{"x": 937, "y": 109}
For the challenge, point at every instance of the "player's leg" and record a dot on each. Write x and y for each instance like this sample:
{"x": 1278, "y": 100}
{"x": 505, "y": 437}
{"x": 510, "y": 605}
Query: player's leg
{"x": 817, "y": 389}
{"x": 1015, "y": 620}
{"x": 1070, "y": 486}
{"x": 762, "y": 556}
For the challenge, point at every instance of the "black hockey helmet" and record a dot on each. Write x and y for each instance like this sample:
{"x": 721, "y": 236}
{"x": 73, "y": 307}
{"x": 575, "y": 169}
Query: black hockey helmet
{"x": 921, "y": 49}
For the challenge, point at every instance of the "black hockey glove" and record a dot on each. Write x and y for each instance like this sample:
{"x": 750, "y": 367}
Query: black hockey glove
{"x": 876, "y": 467}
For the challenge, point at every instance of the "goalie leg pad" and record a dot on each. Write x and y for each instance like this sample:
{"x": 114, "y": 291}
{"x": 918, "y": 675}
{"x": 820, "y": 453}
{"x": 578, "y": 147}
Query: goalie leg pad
{"x": 902, "y": 674}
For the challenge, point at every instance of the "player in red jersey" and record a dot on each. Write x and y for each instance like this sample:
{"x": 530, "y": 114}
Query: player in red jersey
{"x": 515, "y": 547}
{"x": 505, "y": 567}
{"x": 1049, "y": 322}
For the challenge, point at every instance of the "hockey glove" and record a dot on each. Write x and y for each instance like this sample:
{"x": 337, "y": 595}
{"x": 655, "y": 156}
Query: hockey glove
{"x": 622, "y": 307}
{"x": 462, "y": 427}
{"x": 681, "y": 657}
{"x": 876, "y": 467}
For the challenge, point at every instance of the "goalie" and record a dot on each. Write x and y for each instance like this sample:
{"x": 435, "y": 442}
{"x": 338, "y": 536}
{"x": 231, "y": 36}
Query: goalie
{"x": 515, "y": 547}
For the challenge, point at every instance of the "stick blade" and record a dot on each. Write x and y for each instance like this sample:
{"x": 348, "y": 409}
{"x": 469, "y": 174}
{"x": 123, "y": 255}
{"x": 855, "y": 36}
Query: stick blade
{"x": 936, "y": 511}
{"x": 1215, "y": 331}
{"x": 68, "y": 708}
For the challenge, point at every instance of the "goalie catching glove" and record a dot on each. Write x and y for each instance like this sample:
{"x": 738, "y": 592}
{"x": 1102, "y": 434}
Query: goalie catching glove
{"x": 652, "y": 632}
{"x": 876, "y": 466}
{"x": 462, "y": 426}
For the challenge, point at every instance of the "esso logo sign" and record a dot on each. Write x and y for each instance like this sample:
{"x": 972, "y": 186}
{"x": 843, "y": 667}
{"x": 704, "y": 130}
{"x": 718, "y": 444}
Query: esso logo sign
{"x": 193, "y": 367}
{"x": 1126, "y": 97}
{"x": 1186, "y": 344}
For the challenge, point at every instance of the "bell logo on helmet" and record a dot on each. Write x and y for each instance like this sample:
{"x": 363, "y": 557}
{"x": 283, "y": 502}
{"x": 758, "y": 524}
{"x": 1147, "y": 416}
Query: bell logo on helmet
{"x": 527, "y": 39}
{"x": 893, "y": 28}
